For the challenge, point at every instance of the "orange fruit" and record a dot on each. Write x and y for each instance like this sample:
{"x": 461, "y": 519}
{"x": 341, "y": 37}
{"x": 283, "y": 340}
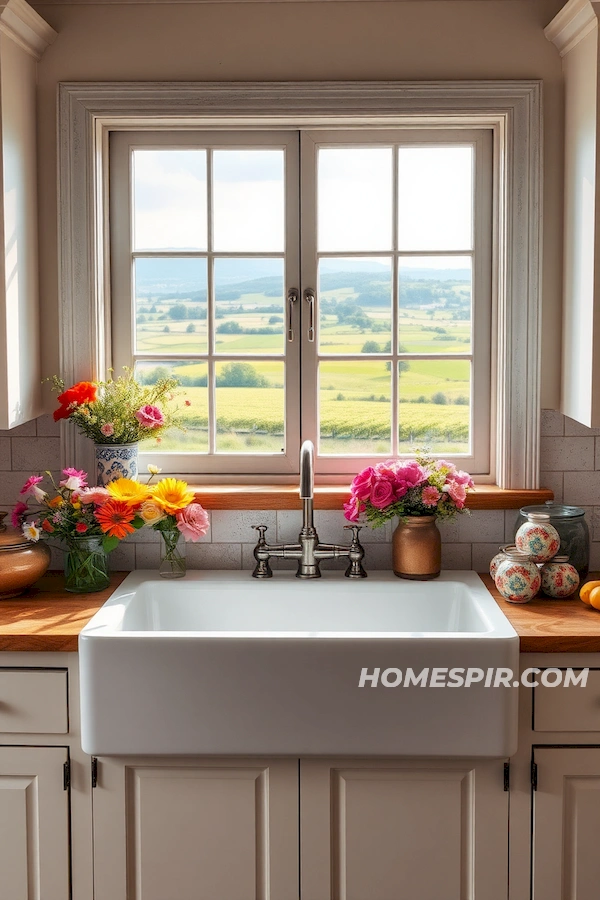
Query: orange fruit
{"x": 586, "y": 589}
{"x": 595, "y": 597}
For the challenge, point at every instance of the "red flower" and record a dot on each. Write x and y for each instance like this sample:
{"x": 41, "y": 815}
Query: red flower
{"x": 114, "y": 517}
{"x": 80, "y": 528}
{"x": 82, "y": 392}
{"x": 47, "y": 526}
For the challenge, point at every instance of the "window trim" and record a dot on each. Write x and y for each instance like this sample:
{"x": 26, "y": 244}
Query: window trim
{"x": 89, "y": 111}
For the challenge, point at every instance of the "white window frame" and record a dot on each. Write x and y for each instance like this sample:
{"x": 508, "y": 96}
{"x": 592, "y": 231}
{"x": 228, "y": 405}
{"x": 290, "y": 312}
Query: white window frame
{"x": 89, "y": 112}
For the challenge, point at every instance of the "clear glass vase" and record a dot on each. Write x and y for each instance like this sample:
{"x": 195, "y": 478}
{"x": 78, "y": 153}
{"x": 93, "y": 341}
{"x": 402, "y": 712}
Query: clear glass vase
{"x": 172, "y": 554}
{"x": 86, "y": 565}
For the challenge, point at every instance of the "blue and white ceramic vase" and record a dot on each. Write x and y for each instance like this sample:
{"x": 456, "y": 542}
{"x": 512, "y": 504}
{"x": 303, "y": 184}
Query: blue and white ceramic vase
{"x": 116, "y": 461}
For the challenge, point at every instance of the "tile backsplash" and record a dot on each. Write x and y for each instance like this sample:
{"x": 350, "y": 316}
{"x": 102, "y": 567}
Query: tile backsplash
{"x": 570, "y": 466}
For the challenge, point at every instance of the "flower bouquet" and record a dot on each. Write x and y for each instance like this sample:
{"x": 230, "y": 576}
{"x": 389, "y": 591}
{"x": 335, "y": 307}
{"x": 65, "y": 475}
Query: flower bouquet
{"x": 417, "y": 492}
{"x": 120, "y": 410}
{"x": 90, "y": 522}
{"x": 170, "y": 509}
{"x": 418, "y": 487}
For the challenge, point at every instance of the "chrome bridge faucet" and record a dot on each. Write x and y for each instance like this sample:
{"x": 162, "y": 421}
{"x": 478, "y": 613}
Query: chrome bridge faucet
{"x": 308, "y": 551}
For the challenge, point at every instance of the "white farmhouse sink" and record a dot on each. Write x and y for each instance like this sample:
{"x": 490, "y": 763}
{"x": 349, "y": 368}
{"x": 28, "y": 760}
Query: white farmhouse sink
{"x": 220, "y": 663}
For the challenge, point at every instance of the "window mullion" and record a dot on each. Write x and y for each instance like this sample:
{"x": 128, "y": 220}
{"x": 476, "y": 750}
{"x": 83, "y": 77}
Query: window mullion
{"x": 394, "y": 317}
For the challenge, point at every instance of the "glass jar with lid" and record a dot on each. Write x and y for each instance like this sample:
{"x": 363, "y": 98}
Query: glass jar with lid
{"x": 572, "y": 528}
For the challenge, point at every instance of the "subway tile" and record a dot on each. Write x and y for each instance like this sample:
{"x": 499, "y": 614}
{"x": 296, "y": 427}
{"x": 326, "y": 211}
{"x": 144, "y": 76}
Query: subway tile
{"x": 582, "y": 488}
{"x": 595, "y": 556}
{"x": 147, "y": 556}
{"x": 144, "y": 535}
{"x": 214, "y": 556}
{"x": 552, "y": 422}
{"x": 10, "y": 485}
{"x": 595, "y": 529}
{"x": 481, "y": 525}
{"x": 47, "y": 427}
{"x": 577, "y": 429}
{"x": 597, "y": 457}
{"x": 235, "y": 526}
{"x": 5, "y": 463}
{"x": 289, "y": 523}
{"x": 482, "y": 555}
{"x": 378, "y": 557}
{"x": 27, "y": 429}
{"x": 554, "y": 481}
{"x": 510, "y": 521}
{"x": 122, "y": 558}
{"x": 574, "y": 453}
{"x": 449, "y": 528}
{"x": 33, "y": 454}
{"x": 456, "y": 556}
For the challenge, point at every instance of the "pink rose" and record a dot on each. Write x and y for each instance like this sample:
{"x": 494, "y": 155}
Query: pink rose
{"x": 382, "y": 493}
{"x": 108, "y": 429}
{"x": 461, "y": 477}
{"x": 458, "y": 492}
{"x": 93, "y": 495}
{"x": 353, "y": 509}
{"x": 193, "y": 521}
{"x": 430, "y": 495}
{"x": 150, "y": 416}
{"x": 407, "y": 477}
{"x": 361, "y": 486}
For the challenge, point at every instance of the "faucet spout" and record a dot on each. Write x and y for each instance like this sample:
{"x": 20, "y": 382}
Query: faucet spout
{"x": 307, "y": 467}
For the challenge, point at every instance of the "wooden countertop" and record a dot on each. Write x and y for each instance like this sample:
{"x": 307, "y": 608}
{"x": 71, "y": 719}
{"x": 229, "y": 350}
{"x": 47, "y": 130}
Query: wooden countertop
{"x": 552, "y": 626}
{"x": 47, "y": 618}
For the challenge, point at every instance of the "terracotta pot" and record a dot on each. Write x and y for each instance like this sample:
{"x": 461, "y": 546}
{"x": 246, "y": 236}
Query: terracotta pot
{"x": 21, "y": 561}
{"x": 417, "y": 548}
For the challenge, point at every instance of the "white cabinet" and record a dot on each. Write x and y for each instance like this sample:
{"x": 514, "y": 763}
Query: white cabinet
{"x": 228, "y": 830}
{"x": 24, "y": 36}
{"x": 34, "y": 824}
{"x": 383, "y": 829}
{"x": 196, "y": 829}
{"x": 566, "y": 824}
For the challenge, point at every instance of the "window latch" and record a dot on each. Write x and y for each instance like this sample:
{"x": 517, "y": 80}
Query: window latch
{"x": 309, "y": 296}
{"x": 292, "y": 297}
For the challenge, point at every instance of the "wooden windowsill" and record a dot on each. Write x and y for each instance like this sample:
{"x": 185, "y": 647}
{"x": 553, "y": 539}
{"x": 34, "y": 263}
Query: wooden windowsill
{"x": 283, "y": 496}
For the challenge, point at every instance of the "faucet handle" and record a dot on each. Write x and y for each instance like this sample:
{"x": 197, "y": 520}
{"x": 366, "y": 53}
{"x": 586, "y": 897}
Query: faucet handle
{"x": 261, "y": 532}
{"x": 356, "y": 554}
{"x": 354, "y": 529}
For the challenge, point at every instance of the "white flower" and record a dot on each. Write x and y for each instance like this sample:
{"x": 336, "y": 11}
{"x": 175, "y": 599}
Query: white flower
{"x": 31, "y": 531}
{"x": 38, "y": 494}
{"x": 154, "y": 470}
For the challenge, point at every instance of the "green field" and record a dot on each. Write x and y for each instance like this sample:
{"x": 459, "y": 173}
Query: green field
{"x": 354, "y": 396}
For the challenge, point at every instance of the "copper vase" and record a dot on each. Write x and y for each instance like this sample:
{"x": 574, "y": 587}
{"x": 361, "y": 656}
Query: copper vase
{"x": 417, "y": 548}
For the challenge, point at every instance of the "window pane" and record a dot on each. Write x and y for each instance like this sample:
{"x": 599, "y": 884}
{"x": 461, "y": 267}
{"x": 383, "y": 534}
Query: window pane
{"x": 169, "y": 199}
{"x": 191, "y": 399}
{"x": 435, "y": 198}
{"x": 355, "y": 305}
{"x": 249, "y": 311}
{"x": 250, "y": 407}
{"x": 434, "y": 296}
{"x": 248, "y": 200}
{"x": 435, "y": 405}
{"x": 354, "y": 408}
{"x": 355, "y": 199}
{"x": 170, "y": 305}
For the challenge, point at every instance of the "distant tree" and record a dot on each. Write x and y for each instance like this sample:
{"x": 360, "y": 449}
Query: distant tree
{"x": 151, "y": 376}
{"x": 141, "y": 319}
{"x": 178, "y": 312}
{"x": 370, "y": 347}
{"x": 240, "y": 375}
{"x": 439, "y": 398}
{"x": 275, "y": 320}
{"x": 230, "y": 328}
{"x": 166, "y": 330}
{"x": 191, "y": 328}
{"x": 461, "y": 400}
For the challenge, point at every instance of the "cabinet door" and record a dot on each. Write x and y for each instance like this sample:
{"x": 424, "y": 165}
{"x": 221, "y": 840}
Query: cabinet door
{"x": 34, "y": 824}
{"x": 566, "y": 824}
{"x": 389, "y": 830}
{"x": 196, "y": 830}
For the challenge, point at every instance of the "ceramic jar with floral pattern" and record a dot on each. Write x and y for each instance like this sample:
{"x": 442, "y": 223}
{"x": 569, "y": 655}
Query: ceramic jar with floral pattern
{"x": 517, "y": 577}
{"x": 559, "y": 577}
{"x": 498, "y": 559}
{"x": 538, "y": 538}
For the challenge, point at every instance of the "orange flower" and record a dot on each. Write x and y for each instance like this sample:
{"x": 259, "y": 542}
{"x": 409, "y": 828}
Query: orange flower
{"x": 82, "y": 392}
{"x": 114, "y": 517}
{"x": 55, "y": 502}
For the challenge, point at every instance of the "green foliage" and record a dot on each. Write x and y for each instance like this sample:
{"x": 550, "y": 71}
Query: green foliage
{"x": 230, "y": 328}
{"x": 240, "y": 375}
{"x": 191, "y": 328}
{"x": 439, "y": 398}
{"x": 178, "y": 312}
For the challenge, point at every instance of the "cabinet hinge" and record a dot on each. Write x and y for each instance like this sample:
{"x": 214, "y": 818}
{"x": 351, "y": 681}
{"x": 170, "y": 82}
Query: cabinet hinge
{"x": 94, "y": 772}
{"x": 67, "y": 775}
{"x": 507, "y": 776}
{"x": 534, "y": 776}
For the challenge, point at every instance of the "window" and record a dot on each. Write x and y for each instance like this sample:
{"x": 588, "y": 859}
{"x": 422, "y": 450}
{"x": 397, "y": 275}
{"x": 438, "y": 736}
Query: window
{"x": 398, "y": 118}
{"x": 380, "y": 342}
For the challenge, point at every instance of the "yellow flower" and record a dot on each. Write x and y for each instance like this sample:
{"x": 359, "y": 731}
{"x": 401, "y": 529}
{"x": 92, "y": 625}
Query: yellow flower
{"x": 171, "y": 495}
{"x": 76, "y": 504}
{"x": 151, "y": 512}
{"x": 131, "y": 492}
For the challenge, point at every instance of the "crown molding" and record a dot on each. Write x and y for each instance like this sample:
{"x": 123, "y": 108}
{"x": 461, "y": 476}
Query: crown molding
{"x": 575, "y": 20}
{"x": 20, "y": 22}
